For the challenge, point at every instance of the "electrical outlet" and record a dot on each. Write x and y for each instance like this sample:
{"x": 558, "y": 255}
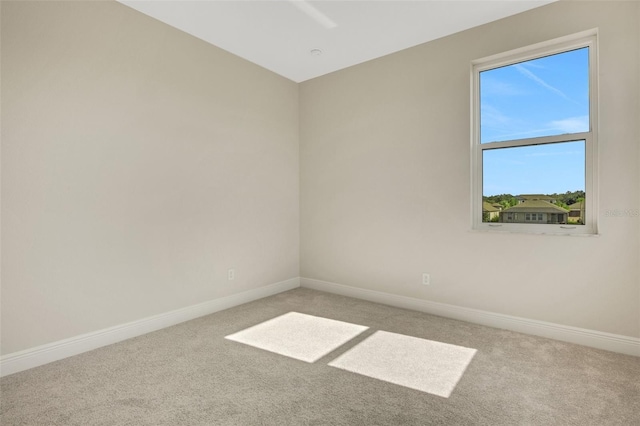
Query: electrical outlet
{"x": 426, "y": 279}
{"x": 231, "y": 274}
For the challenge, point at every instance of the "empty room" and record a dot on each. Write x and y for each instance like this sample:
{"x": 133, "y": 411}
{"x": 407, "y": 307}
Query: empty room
{"x": 298, "y": 212}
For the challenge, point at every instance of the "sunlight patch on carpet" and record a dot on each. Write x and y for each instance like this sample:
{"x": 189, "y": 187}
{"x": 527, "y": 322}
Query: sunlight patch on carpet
{"x": 420, "y": 364}
{"x": 300, "y": 336}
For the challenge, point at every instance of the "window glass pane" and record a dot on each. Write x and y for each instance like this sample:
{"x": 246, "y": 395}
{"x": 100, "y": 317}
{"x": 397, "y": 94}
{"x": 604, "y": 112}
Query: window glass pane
{"x": 541, "y": 97}
{"x": 534, "y": 183}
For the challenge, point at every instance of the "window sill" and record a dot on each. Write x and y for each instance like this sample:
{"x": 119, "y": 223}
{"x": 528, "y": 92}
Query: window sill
{"x": 498, "y": 230}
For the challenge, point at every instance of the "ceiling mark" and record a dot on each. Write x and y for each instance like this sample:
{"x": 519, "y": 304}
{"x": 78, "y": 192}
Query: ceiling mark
{"x": 314, "y": 13}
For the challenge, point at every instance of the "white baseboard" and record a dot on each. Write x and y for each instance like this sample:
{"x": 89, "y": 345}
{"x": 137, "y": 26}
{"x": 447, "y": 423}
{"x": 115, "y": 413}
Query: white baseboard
{"x": 34, "y": 357}
{"x": 596, "y": 339}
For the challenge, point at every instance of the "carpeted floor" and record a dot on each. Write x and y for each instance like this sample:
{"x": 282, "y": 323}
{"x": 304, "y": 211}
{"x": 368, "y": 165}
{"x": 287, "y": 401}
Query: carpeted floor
{"x": 190, "y": 374}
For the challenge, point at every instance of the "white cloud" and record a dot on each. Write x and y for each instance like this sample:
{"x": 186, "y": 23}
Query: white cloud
{"x": 492, "y": 86}
{"x": 572, "y": 124}
{"x": 493, "y": 117}
{"x": 554, "y": 154}
{"x": 529, "y": 74}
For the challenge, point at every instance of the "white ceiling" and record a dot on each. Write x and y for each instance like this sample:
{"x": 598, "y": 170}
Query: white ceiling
{"x": 280, "y": 34}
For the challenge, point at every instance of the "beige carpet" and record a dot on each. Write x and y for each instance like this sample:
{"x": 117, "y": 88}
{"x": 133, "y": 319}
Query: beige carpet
{"x": 191, "y": 375}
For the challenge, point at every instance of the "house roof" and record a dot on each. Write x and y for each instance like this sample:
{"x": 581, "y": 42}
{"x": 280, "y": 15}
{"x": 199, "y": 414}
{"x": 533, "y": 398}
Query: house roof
{"x": 577, "y": 206}
{"x": 535, "y": 197}
{"x": 535, "y": 206}
{"x": 487, "y": 207}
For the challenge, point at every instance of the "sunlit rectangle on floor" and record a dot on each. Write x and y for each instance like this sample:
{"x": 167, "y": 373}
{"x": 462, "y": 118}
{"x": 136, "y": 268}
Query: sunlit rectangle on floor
{"x": 420, "y": 364}
{"x": 300, "y": 336}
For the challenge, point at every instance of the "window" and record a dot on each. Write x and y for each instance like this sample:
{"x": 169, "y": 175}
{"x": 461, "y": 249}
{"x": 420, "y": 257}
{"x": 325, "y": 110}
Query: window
{"x": 534, "y": 114}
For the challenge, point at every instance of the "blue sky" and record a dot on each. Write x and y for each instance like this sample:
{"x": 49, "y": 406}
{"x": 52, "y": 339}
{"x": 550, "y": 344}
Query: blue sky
{"x": 541, "y": 97}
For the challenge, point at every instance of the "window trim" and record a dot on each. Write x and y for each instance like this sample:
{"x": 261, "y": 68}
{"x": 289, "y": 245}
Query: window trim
{"x": 547, "y": 48}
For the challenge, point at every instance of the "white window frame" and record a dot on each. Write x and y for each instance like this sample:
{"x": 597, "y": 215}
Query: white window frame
{"x": 560, "y": 45}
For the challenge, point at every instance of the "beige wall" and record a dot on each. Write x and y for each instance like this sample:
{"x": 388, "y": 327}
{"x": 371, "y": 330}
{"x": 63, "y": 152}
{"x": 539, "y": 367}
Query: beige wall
{"x": 638, "y": 139}
{"x": 138, "y": 164}
{"x": 385, "y": 180}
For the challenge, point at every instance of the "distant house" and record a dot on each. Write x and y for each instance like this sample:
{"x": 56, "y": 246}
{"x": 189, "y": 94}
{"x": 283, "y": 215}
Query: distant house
{"x": 534, "y": 211}
{"x": 490, "y": 211}
{"x": 576, "y": 212}
{"x": 529, "y": 197}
